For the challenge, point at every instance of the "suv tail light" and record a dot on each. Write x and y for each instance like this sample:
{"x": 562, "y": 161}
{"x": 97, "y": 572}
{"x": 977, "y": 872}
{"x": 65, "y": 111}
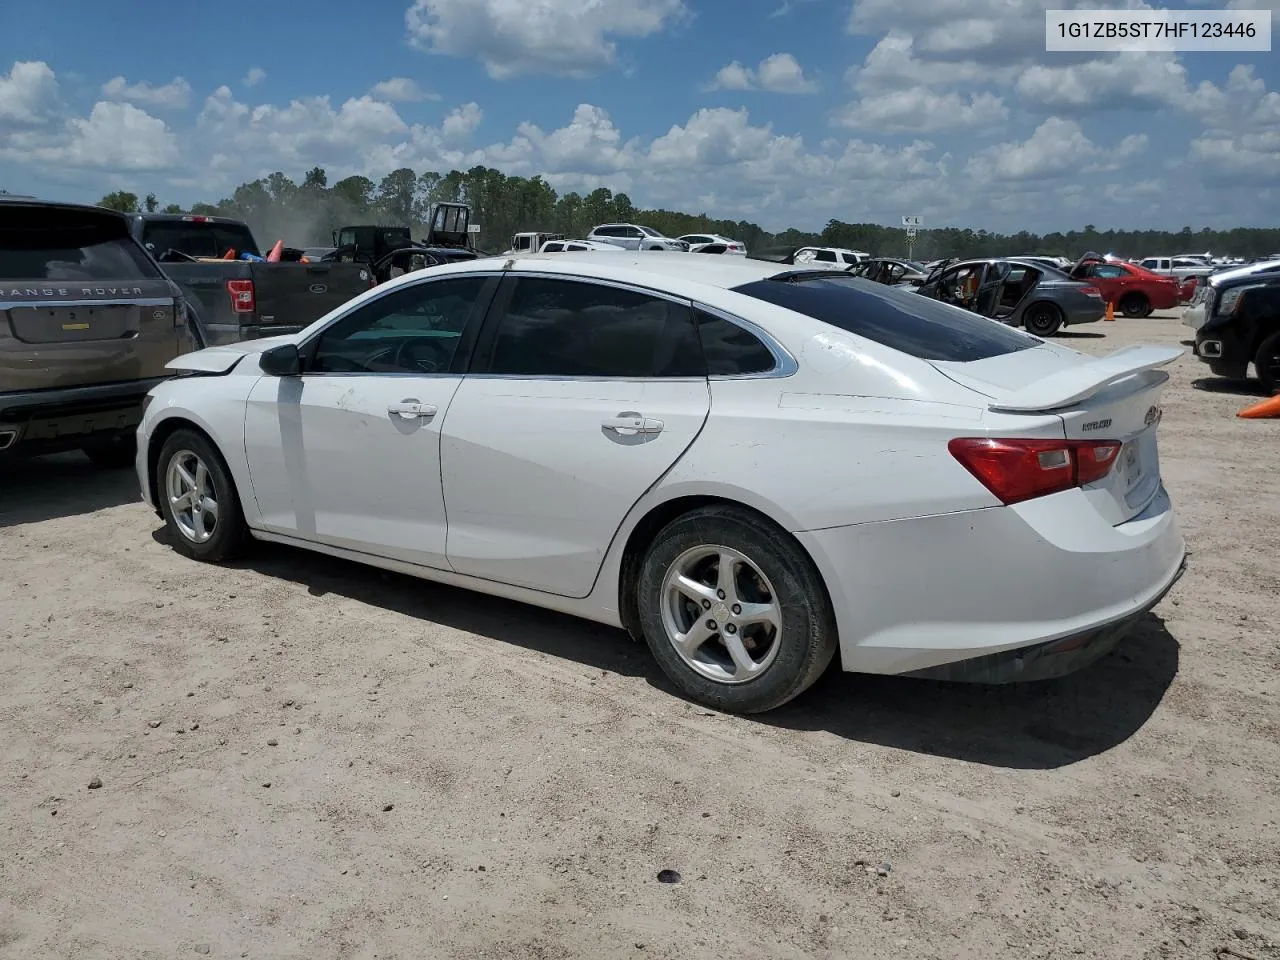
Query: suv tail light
{"x": 1018, "y": 470}
{"x": 243, "y": 297}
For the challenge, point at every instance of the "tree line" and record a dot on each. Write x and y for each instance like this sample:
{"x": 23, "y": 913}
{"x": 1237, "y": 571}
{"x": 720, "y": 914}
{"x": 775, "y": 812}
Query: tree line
{"x": 306, "y": 214}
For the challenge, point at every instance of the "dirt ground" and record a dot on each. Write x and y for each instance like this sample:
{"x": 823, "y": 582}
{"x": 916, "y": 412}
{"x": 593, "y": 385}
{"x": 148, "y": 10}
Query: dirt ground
{"x": 299, "y": 757}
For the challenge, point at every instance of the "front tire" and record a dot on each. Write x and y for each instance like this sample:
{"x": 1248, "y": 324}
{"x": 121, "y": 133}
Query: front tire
{"x": 198, "y": 499}
{"x": 1043, "y": 319}
{"x": 734, "y": 610}
{"x": 1267, "y": 363}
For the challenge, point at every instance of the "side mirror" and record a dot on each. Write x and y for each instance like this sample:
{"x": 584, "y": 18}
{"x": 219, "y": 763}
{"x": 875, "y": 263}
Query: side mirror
{"x": 281, "y": 361}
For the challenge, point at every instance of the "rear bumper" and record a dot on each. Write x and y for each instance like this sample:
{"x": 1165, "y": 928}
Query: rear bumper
{"x": 1045, "y": 661}
{"x": 920, "y": 595}
{"x": 1090, "y": 312}
{"x": 39, "y": 422}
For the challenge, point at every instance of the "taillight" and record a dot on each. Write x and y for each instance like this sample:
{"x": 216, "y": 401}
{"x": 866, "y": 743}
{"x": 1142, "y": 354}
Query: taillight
{"x": 1018, "y": 470}
{"x": 243, "y": 298}
{"x": 1091, "y": 292}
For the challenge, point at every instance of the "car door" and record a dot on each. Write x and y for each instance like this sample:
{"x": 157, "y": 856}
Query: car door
{"x": 348, "y": 453}
{"x": 990, "y": 288}
{"x": 581, "y": 396}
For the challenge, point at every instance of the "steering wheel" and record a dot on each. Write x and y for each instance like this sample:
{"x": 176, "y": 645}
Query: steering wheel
{"x": 420, "y": 353}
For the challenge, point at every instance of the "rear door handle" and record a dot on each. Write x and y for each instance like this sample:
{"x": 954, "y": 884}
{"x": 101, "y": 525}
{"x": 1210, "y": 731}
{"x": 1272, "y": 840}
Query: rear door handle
{"x": 412, "y": 410}
{"x": 629, "y": 424}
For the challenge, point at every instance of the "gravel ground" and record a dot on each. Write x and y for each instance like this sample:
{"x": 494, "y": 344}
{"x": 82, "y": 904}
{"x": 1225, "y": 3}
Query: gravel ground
{"x": 299, "y": 757}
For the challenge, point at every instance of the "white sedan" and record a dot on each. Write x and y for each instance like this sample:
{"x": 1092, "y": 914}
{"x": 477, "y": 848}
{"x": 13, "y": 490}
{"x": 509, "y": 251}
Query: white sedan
{"x": 754, "y": 467}
{"x": 713, "y": 243}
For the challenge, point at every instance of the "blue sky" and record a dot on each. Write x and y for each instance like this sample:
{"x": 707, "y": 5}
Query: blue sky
{"x": 785, "y": 113}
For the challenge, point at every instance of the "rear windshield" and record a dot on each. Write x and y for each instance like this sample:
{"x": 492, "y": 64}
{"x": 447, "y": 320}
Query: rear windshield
{"x": 902, "y": 320}
{"x": 46, "y": 257}
{"x": 198, "y": 239}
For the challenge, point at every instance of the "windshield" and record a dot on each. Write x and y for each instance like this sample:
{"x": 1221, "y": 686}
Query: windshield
{"x": 902, "y": 320}
{"x": 650, "y": 232}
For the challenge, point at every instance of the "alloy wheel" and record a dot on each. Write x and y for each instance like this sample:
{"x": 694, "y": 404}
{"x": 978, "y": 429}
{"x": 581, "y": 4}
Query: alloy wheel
{"x": 721, "y": 614}
{"x": 193, "y": 500}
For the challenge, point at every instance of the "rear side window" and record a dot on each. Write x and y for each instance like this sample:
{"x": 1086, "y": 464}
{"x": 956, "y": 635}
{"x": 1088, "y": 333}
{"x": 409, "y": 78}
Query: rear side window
{"x": 49, "y": 256}
{"x": 199, "y": 239}
{"x": 572, "y": 328}
{"x": 826, "y": 256}
{"x": 899, "y": 319}
{"x": 731, "y": 350}
{"x": 556, "y": 248}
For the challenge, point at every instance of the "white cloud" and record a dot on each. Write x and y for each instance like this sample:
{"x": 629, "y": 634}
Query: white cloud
{"x": 254, "y": 77}
{"x": 1057, "y": 148}
{"x": 461, "y": 123}
{"x": 174, "y": 95}
{"x": 28, "y": 94}
{"x": 1122, "y": 81}
{"x": 780, "y": 73}
{"x": 114, "y": 137}
{"x": 512, "y": 37}
{"x": 892, "y": 64}
{"x": 401, "y": 90}
{"x": 921, "y": 110}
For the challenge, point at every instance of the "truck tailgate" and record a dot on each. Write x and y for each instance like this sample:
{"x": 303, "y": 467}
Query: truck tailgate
{"x": 291, "y": 296}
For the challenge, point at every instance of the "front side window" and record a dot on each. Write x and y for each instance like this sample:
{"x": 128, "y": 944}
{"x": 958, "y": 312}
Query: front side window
{"x": 574, "y": 328}
{"x": 556, "y": 248}
{"x": 415, "y": 329}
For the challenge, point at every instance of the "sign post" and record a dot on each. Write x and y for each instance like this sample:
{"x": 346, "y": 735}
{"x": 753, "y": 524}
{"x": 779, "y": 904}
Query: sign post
{"x": 911, "y": 225}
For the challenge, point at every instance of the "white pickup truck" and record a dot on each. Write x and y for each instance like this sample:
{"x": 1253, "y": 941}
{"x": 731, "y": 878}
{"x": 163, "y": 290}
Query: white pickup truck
{"x": 1181, "y": 268}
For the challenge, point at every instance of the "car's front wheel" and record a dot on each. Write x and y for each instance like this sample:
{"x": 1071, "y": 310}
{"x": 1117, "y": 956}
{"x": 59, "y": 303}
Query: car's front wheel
{"x": 198, "y": 499}
{"x": 734, "y": 610}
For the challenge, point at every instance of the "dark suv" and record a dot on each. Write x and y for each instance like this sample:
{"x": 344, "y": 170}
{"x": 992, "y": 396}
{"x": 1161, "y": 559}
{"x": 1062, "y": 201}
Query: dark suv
{"x": 87, "y": 323}
{"x": 1237, "y": 319}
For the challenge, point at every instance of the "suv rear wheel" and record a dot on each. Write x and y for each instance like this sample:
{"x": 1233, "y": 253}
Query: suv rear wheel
{"x": 1267, "y": 362}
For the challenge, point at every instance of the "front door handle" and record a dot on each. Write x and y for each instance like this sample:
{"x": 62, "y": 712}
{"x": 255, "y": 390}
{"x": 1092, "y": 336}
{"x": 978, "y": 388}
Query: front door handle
{"x": 412, "y": 410}
{"x": 630, "y": 424}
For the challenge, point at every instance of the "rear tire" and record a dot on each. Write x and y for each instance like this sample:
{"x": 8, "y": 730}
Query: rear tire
{"x": 1135, "y": 306}
{"x": 198, "y": 500}
{"x": 114, "y": 454}
{"x": 1267, "y": 363}
{"x": 754, "y": 637}
{"x": 1042, "y": 319}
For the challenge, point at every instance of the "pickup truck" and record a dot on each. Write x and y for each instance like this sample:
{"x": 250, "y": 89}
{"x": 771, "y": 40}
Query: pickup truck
{"x": 87, "y": 323}
{"x": 238, "y": 299}
{"x": 1180, "y": 268}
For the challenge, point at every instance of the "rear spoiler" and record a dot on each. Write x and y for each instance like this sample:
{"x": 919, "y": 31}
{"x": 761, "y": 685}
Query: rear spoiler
{"x": 1070, "y": 386}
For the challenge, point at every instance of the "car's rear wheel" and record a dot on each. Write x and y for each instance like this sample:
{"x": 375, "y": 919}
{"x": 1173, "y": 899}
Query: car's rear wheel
{"x": 198, "y": 499}
{"x": 734, "y": 610}
{"x": 1043, "y": 319}
{"x": 114, "y": 453}
{"x": 1135, "y": 305}
{"x": 1267, "y": 363}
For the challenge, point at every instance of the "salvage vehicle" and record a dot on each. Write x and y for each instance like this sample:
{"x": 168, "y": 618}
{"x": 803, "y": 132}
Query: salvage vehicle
{"x": 701, "y": 242}
{"x": 579, "y": 246}
{"x": 630, "y": 236}
{"x": 1133, "y": 291}
{"x": 390, "y": 252}
{"x": 1241, "y": 325}
{"x": 915, "y": 475}
{"x": 1017, "y": 292}
{"x": 891, "y": 271}
{"x": 1180, "y": 268}
{"x": 87, "y": 323}
{"x": 825, "y": 255}
{"x": 235, "y": 299}
{"x": 532, "y": 241}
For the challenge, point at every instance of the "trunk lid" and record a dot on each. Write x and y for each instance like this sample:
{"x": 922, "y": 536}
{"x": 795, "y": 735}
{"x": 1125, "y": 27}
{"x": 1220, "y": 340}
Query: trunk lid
{"x": 81, "y": 303}
{"x": 298, "y": 294}
{"x": 1112, "y": 398}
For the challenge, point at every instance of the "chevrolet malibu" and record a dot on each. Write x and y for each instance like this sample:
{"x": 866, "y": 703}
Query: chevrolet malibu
{"x": 756, "y": 468}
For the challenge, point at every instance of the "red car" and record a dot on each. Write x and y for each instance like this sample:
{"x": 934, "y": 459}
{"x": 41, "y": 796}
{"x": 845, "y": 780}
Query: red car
{"x": 1135, "y": 291}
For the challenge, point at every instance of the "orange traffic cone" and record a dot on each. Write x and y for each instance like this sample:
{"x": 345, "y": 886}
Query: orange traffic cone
{"x": 1111, "y": 311}
{"x": 276, "y": 251}
{"x": 1262, "y": 411}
